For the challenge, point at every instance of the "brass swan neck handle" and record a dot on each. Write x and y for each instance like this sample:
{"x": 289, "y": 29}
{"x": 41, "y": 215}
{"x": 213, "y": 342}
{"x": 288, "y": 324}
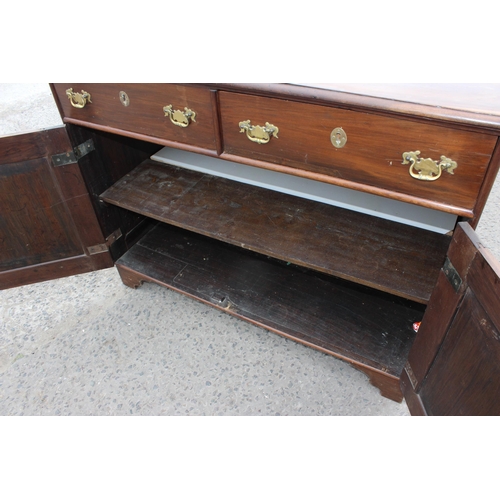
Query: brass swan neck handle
{"x": 427, "y": 169}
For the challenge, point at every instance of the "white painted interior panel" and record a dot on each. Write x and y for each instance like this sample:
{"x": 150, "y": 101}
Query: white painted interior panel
{"x": 406, "y": 213}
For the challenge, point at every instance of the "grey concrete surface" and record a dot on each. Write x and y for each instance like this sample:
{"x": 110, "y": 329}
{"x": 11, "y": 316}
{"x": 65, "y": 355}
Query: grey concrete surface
{"x": 88, "y": 345}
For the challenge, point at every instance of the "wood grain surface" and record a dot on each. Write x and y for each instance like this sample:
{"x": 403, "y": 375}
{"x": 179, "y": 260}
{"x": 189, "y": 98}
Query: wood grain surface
{"x": 369, "y": 328}
{"x": 383, "y": 254}
{"x": 372, "y": 156}
{"x": 46, "y": 219}
{"x": 144, "y": 115}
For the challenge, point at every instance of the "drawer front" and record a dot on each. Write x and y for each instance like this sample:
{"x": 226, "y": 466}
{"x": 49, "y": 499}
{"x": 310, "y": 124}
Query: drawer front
{"x": 372, "y": 157}
{"x": 144, "y": 113}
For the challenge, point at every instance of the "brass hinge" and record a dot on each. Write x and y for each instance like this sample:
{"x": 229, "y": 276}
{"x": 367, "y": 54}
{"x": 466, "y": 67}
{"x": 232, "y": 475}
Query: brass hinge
{"x": 73, "y": 156}
{"x": 452, "y": 274}
{"x": 103, "y": 247}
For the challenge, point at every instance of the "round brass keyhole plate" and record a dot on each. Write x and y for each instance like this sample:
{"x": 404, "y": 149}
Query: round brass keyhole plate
{"x": 338, "y": 137}
{"x": 124, "y": 98}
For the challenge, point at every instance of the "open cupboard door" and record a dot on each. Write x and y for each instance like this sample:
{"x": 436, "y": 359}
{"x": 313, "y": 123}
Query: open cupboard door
{"x": 52, "y": 223}
{"x": 454, "y": 365}
{"x": 47, "y": 224}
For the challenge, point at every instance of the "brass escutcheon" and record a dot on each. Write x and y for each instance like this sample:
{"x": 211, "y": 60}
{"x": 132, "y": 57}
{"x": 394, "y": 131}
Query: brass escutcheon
{"x": 257, "y": 133}
{"x": 124, "y": 99}
{"x": 427, "y": 169}
{"x": 178, "y": 117}
{"x": 338, "y": 137}
{"x": 78, "y": 100}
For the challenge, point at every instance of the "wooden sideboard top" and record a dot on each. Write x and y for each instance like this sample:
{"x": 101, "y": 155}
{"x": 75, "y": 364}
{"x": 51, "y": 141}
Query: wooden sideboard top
{"x": 475, "y": 104}
{"x": 483, "y": 98}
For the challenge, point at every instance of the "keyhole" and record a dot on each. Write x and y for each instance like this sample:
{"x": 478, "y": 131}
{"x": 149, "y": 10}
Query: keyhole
{"x": 124, "y": 98}
{"x": 338, "y": 137}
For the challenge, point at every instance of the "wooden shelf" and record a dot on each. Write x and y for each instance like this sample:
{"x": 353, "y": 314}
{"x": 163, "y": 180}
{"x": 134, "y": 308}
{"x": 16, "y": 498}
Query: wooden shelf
{"x": 369, "y": 328}
{"x": 382, "y": 254}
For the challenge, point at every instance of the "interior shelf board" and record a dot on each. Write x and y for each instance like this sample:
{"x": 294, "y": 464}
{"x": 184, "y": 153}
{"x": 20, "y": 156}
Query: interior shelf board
{"x": 383, "y": 254}
{"x": 359, "y": 324}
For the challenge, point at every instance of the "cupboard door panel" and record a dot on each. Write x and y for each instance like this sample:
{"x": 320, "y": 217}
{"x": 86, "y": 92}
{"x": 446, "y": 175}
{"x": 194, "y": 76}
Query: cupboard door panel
{"x": 36, "y": 224}
{"x": 465, "y": 379}
{"x": 463, "y": 375}
{"x": 47, "y": 225}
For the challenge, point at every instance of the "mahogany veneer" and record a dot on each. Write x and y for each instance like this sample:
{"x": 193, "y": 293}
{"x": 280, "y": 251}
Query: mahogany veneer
{"x": 372, "y": 155}
{"x": 144, "y": 116}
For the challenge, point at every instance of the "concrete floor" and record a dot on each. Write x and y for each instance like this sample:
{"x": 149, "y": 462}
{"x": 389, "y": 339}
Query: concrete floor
{"x": 88, "y": 345}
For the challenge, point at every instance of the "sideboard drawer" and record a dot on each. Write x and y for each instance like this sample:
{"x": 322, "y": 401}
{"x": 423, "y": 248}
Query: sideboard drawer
{"x": 139, "y": 108}
{"x": 372, "y": 157}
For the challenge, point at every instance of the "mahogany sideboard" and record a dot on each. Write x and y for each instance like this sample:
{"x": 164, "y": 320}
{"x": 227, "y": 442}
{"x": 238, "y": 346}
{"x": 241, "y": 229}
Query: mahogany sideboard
{"x": 340, "y": 216}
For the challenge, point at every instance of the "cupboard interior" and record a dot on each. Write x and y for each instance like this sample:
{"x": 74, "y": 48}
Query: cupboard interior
{"x": 346, "y": 283}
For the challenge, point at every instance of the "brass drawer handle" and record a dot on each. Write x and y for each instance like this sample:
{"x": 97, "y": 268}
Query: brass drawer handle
{"x": 78, "y": 100}
{"x": 257, "y": 133}
{"x": 178, "y": 117}
{"x": 427, "y": 169}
